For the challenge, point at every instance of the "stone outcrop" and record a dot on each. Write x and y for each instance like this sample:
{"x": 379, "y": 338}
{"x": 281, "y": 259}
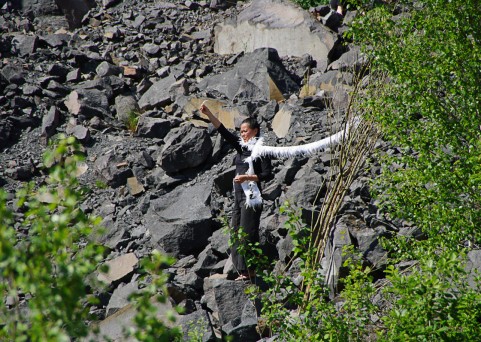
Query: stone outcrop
{"x": 280, "y": 25}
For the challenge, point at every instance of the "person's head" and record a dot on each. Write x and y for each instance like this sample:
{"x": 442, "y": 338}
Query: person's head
{"x": 249, "y": 128}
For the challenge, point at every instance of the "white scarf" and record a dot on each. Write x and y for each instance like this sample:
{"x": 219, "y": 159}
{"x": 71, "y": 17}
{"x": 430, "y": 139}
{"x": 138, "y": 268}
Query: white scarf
{"x": 258, "y": 150}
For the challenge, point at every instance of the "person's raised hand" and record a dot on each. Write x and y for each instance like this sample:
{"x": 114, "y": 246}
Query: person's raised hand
{"x": 204, "y": 109}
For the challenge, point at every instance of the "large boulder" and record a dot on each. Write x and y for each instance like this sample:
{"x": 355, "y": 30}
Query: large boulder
{"x": 279, "y": 25}
{"x": 158, "y": 95}
{"x": 185, "y": 148}
{"x": 87, "y": 103}
{"x": 180, "y": 221}
{"x": 36, "y": 7}
{"x": 225, "y": 298}
{"x": 259, "y": 75}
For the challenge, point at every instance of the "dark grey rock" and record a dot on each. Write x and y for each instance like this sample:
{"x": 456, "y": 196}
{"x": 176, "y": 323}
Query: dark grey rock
{"x": 88, "y": 103}
{"x": 6, "y": 132}
{"x": 151, "y": 49}
{"x": 55, "y": 40}
{"x": 333, "y": 255}
{"x": 109, "y": 3}
{"x": 206, "y": 263}
{"x": 223, "y": 181}
{"x": 189, "y": 283}
{"x": 250, "y": 79}
{"x": 106, "y": 69}
{"x": 36, "y": 7}
{"x": 13, "y": 74}
{"x": 153, "y": 127}
{"x": 50, "y": 122}
{"x": 73, "y": 76}
{"x": 185, "y": 148}
{"x": 243, "y": 328}
{"x": 197, "y": 324}
{"x": 21, "y": 173}
{"x": 180, "y": 221}
{"x": 227, "y": 298}
{"x": 158, "y": 94}
{"x": 305, "y": 188}
{"x": 58, "y": 70}
{"x": 82, "y": 133}
{"x": 120, "y": 297}
{"x": 126, "y": 106}
{"x": 75, "y": 10}
{"x": 146, "y": 160}
{"x": 220, "y": 242}
{"x": 332, "y": 20}
{"x": 24, "y": 45}
{"x": 221, "y": 4}
{"x": 113, "y": 169}
{"x": 31, "y": 90}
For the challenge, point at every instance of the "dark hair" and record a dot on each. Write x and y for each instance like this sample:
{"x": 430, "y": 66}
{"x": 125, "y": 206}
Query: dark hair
{"x": 253, "y": 124}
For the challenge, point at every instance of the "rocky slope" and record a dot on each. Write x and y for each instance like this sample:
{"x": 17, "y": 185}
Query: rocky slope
{"x": 85, "y": 68}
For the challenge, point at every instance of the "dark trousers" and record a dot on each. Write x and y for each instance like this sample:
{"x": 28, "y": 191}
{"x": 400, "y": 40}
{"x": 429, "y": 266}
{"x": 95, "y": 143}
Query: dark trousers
{"x": 249, "y": 220}
{"x": 335, "y": 3}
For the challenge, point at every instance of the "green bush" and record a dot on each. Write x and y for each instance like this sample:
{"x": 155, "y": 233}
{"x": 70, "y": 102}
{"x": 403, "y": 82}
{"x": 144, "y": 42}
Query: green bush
{"x": 46, "y": 255}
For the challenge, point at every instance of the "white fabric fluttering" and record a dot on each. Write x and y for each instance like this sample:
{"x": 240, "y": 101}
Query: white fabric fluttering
{"x": 259, "y": 150}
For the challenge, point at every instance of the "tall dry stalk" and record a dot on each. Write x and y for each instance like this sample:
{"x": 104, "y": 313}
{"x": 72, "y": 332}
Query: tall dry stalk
{"x": 357, "y": 144}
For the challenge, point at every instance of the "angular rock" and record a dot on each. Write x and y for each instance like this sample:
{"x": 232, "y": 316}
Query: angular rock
{"x": 153, "y": 127}
{"x": 227, "y": 115}
{"x": 110, "y": 232}
{"x": 352, "y": 60}
{"x": 332, "y": 20}
{"x": 106, "y": 69}
{"x": 13, "y": 74}
{"x": 158, "y": 94}
{"x": 113, "y": 327}
{"x": 81, "y": 132}
{"x": 113, "y": 169}
{"x": 6, "y": 132}
{"x": 58, "y": 70}
{"x": 55, "y": 40}
{"x": 243, "y": 328}
{"x": 227, "y": 299}
{"x": 120, "y": 297}
{"x": 197, "y": 324}
{"x": 125, "y": 106}
{"x": 75, "y": 10}
{"x": 50, "y": 122}
{"x": 36, "y": 7}
{"x": 305, "y": 188}
{"x": 134, "y": 186}
{"x": 185, "y": 148}
{"x": 119, "y": 268}
{"x": 87, "y": 102}
{"x": 220, "y": 242}
{"x": 259, "y": 75}
{"x": 24, "y": 45}
{"x": 279, "y": 25}
{"x": 206, "y": 262}
{"x": 333, "y": 257}
{"x": 282, "y": 122}
{"x": 189, "y": 283}
{"x": 180, "y": 221}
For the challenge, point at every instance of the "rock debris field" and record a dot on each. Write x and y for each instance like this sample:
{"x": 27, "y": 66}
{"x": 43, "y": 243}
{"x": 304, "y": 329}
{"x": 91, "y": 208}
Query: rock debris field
{"x": 86, "y": 68}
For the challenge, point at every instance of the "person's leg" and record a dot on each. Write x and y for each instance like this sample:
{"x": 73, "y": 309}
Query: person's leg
{"x": 334, "y": 4}
{"x": 237, "y": 259}
{"x": 250, "y": 220}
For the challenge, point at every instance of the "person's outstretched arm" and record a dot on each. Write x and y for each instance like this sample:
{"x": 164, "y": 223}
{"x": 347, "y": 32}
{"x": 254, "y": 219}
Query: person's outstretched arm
{"x": 205, "y": 110}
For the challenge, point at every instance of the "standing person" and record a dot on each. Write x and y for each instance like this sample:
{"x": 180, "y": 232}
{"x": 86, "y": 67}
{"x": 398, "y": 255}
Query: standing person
{"x": 243, "y": 216}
